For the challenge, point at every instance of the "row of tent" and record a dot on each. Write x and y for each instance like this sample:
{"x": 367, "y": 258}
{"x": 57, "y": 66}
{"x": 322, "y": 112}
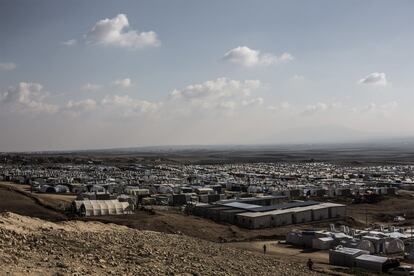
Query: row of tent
{"x": 57, "y": 189}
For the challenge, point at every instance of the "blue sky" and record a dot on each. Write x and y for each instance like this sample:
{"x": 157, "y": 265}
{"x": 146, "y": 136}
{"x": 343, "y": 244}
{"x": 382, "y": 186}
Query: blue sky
{"x": 91, "y": 74}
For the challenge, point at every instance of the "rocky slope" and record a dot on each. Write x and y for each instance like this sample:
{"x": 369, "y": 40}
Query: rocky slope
{"x": 31, "y": 246}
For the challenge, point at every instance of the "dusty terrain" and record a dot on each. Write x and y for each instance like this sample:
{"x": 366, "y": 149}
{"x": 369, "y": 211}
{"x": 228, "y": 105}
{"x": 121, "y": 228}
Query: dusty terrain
{"x": 176, "y": 223}
{"x": 13, "y": 201}
{"x": 383, "y": 212}
{"x": 36, "y": 247}
{"x": 58, "y": 202}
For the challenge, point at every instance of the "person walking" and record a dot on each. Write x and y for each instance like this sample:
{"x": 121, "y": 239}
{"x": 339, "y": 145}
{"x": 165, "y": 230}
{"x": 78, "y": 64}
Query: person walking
{"x": 310, "y": 264}
{"x": 264, "y": 248}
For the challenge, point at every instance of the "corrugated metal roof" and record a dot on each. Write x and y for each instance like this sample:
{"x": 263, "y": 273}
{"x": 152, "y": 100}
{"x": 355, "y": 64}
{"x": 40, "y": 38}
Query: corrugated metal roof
{"x": 285, "y": 206}
{"x": 241, "y": 205}
{"x": 372, "y": 258}
{"x": 250, "y": 199}
{"x": 348, "y": 251}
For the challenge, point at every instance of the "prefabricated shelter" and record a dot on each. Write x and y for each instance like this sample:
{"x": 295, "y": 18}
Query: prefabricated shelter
{"x": 136, "y": 191}
{"x": 295, "y": 238}
{"x": 94, "y": 196}
{"x": 204, "y": 190}
{"x": 186, "y": 190}
{"x": 344, "y": 256}
{"x": 410, "y": 252}
{"x": 254, "y": 220}
{"x": 324, "y": 243}
{"x": 201, "y": 209}
{"x": 149, "y": 201}
{"x": 343, "y": 192}
{"x": 260, "y": 200}
{"x": 78, "y": 189}
{"x": 162, "y": 199}
{"x": 203, "y": 198}
{"x": 213, "y": 198}
{"x": 178, "y": 199}
{"x": 281, "y": 217}
{"x": 336, "y": 210}
{"x": 320, "y": 212}
{"x": 301, "y": 214}
{"x": 375, "y": 263}
{"x": 230, "y": 216}
{"x": 292, "y": 193}
{"x": 215, "y": 212}
{"x": 308, "y": 236}
{"x": 328, "y": 210}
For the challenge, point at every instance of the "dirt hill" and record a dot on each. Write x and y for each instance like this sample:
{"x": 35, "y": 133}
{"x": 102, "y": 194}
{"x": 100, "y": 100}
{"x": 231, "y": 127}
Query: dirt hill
{"x": 30, "y": 246}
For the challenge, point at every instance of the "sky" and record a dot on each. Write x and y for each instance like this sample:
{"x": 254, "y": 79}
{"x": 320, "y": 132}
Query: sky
{"x": 106, "y": 74}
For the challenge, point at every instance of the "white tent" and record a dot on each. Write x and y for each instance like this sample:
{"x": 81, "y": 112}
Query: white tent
{"x": 393, "y": 246}
{"x": 101, "y": 207}
{"x": 367, "y": 246}
{"x": 61, "y": 189}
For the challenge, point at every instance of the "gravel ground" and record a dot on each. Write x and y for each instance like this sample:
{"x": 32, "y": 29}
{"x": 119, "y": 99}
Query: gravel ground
{"x": 30, "y": 246}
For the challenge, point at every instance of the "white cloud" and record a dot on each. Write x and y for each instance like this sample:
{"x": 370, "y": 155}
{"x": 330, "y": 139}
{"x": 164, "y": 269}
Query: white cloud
{"x": 27, "y": 97}
{"x": 128, "y": 106}
{"x": 390, "y": 105}
{"x": 228, "y": 105}
{"x": 221, "y": 95}
{"x": 112, "y": 31}
{"x": 124, "y": 83}
{"x": 382, "y": 108}
{"x": 217, "y": 89}
{"x": 70, "y": 42}
{"x": 315, "y": 108}
{"x": 245, "y": 56}
{"x": 280, "y": 107}
{"x": 81, "y": 106}
{"x": 377, "y": 79}
{"x": 90, "y": 87}
{"x": 320, "y": 107}
{"x": 297, "y": 77}
{"x": 7, "y": 66}
{"x": 253, "y": 102}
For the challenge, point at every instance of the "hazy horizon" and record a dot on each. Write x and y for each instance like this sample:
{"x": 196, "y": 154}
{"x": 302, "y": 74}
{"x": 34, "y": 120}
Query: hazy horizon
{"x": 151, "y": 73}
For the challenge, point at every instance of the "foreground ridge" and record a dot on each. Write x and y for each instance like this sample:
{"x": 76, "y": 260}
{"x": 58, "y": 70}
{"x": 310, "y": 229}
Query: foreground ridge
{"x": 34, "y": 246}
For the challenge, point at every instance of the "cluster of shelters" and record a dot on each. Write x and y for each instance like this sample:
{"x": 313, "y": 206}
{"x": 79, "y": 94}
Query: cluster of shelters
{"x": 314, "y": 179}
{"x": 371, "y": 249}
{"x": 352, "y": 257}
{"x": 268, "y": 211}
